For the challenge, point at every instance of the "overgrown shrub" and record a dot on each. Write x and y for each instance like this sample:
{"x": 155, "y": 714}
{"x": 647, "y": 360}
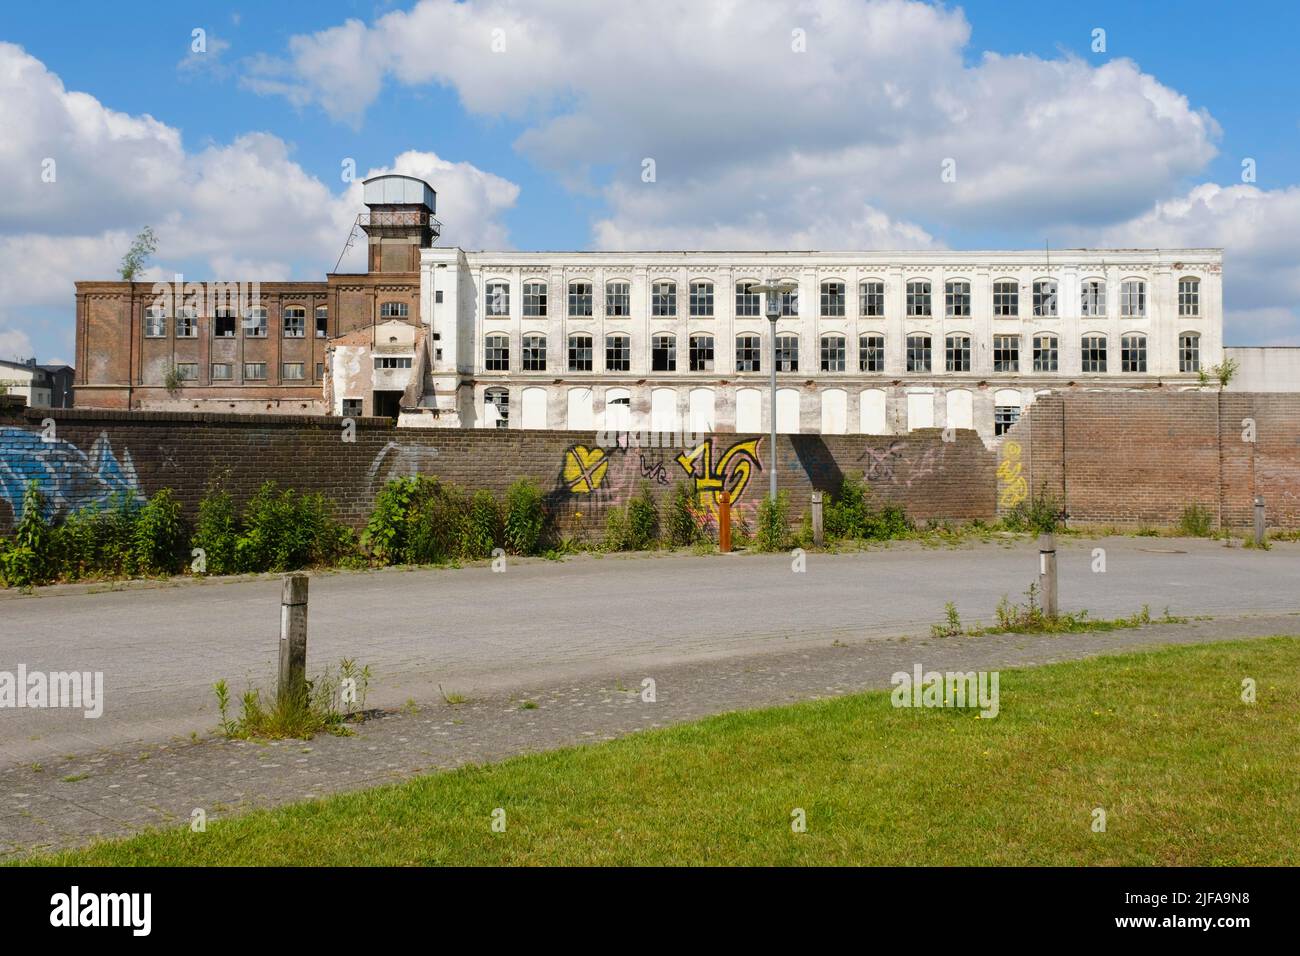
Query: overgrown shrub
{"x": 682, "y": 528}
{"x": 525, "y": 517}
{"x": 216, "y": 532}
{"x": 483, "y": 531}
{"x": 282, "y": 530}
{"x": 773, "y": 529}
{"x": 1196, "y": 522}
{"x": 852, "y": 514}
{"x": 1037, "y": 514}
{"x": 27, "y": 560}
{"x": 643, "y": 519}
{"x": 439, "y": 523}
{"x": 618, "y": 535}
{"x": 159, "y": 535}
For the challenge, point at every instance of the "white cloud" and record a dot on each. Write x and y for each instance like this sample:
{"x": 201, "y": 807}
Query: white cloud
{"x": 1259, "y": 232}
{"x": 854, "y": 129}
{"x": 241, "y": 210}
{"x": 15, "y": 344}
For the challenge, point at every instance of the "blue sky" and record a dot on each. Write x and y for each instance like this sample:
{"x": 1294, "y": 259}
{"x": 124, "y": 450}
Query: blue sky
{"x": 540, "y": 145}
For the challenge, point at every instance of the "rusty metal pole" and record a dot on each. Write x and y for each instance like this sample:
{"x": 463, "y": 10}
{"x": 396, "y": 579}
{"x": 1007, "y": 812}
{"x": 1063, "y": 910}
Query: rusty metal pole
{"x": 724, "y": 521}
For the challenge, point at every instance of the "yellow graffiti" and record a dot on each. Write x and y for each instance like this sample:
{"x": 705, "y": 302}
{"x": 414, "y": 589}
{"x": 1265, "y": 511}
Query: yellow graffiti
{"x": 1014, "y": 487}
{"x": 732, "y": 471}
{"x": 584, "y": 468}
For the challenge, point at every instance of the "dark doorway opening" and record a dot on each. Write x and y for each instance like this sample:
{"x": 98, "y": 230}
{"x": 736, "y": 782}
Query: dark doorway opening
{"x": 388, "y": 404}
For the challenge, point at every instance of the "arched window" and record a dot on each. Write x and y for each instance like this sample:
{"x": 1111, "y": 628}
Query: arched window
{"x": 956, "y": 352}
{"x": 1093, "y": 352}
{"x": 155, "y": 322}
{"x": 496, "y": 407}
{"x": 534, "y": 357}
{"x": 1189, "y": 352}
{"x": 663, "y": 298}
{"x": 534, "y": 299}
{"x": 1006, "y": 353}
{"x": 871, "y": 352}
{"x": 702, "y": 300}
{"x": 871, "y": 299}
{"x": 832, "y": 349}
{"x": 748, "y": 302}
{"x": 1046, "y": 353}
{"x": 1133, "y": 352}
{"x": 1133, "y": 298}
{"x": 393, "y": 310}
{"x": 1045, "y": 299}
{"x": 255, "y": 323}
{"x": 497, "y": 357}
{"x": 701, "y": 353}
{"x": 618, "y": 299}
{"x": 580, "y": 299}
{"x": 918, "y": 353}
{"x": 618, "y": 353}
{"x": 1189, "y": 296}
{"x": 918, "y": 298}
{"x": 1092, "y": 297}
{"x": 749, "y": 350}
{"x": 295, "y": 322}
{"x": 956, "y": 299}
{"x": 322, "y": 321}
{"x": 579, "y": 353}
{"x": 1006, "y": 298}
{"x": 787, "y": 353}
{"x": 663, "y": 353}
{"x": 832, "y": 298}
{"x": 498, "y": 299}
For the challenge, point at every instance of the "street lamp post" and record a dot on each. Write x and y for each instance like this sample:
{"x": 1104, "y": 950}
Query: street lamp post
{"x": 772, "y": 293}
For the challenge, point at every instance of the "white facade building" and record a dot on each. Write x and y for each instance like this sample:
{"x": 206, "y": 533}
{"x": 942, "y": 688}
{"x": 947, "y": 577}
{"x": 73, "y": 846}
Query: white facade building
{"x": 872, "y": 342}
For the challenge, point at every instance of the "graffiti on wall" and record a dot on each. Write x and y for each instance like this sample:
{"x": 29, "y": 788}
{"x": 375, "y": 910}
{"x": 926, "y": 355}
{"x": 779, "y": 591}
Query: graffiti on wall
{"x": 68, "y": 477}
{"x": 1013, "y": 488}
{"x": 399, "y": 461}
{"x": 885, "y": 464}
{"x": 609, "y": 475}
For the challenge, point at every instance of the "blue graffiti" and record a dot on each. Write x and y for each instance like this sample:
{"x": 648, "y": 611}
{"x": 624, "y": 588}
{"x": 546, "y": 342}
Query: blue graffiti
{"x": 67, "y": 477}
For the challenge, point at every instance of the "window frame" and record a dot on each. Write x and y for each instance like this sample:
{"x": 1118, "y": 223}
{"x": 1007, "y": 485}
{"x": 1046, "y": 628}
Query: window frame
{"x": 920, "y": 345}
{"x": 668, "y": 351}
{"x": 749, "y": 305}
{"x": 394, "y": 309}
{"x": 496, "y": 299}
{"x": 618, "y": 299}
{"x": 1133, "y": 292}
{"x": 294, "y": 317}
{"x": 533, "y": 355}
{"x": 922, "y": 296}
{"x": 618, "y": 352}
{"x": 701, "y": 299}
{"x": 1006, "y": 303}
{"x": 834, "y": 352}
{"x": 871, "y": 299}
{"x": 1094, "y": 354}
{"x": 1042, "y": 352}
{"x": 1189, "y": 354}
{"x": 787, "y": 352}
{"x": 663, "y": 299}
{"x": 496, "y": 352}
{"x": 696, "y": 361}
{"x": 749, "y": 355}
{"x": 577, "y": 349}
{"x": 577, "y": 297}
{"x": 535, "y": 302}
{"x": 1133, "y": 353}
{"x": 957, "y": 299}
{"x": 871, "y": 354}
{"x": 957, "y": 352}
{"x": 833, "y": 296}
{"x": 1006, "y": 353}
{"x": 1189, "y": 297}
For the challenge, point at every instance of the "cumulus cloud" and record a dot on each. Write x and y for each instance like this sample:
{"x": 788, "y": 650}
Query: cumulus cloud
{"x": 1259, "y": 232}
{"x": 240, "y": 210}
{"x": 848, "y": 110}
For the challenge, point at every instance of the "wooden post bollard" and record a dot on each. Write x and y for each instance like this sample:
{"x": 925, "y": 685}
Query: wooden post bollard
{"x": 817, "y": 519}
{"x": 1259, "y": 521}
{"x": 724, "y": 521}
{"x": 293, "y": 635}
{"x": 1047, "y": 572}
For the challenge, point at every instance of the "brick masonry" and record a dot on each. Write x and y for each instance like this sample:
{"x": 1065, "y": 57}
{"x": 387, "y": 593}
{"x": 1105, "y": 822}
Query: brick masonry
{"x": 1141, "y": 458}
{"x": 1127, "y": 458}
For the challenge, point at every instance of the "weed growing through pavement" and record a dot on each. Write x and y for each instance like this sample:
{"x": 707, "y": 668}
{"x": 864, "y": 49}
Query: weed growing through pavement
{"x": 325, "y": 704}
{"x": 1030, "y": 618}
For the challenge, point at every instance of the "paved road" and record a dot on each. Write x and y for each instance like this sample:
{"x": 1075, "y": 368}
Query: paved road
{"x": 476, "y": 632}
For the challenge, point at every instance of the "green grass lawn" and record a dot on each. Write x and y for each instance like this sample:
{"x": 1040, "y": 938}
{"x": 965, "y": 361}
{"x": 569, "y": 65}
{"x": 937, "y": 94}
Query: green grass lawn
{"x": 1186, "y": 771}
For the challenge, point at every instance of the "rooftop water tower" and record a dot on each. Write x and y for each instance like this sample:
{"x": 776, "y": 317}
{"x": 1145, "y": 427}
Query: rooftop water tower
{"x": 399, "y": 222}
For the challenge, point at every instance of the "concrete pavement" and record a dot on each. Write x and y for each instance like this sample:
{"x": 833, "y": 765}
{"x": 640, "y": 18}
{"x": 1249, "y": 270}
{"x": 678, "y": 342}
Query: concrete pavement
{"x": 480, "y": 633}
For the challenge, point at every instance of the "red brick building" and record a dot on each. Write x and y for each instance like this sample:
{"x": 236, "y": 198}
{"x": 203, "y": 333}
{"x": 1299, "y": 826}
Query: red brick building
{"x": 247, "y": 345}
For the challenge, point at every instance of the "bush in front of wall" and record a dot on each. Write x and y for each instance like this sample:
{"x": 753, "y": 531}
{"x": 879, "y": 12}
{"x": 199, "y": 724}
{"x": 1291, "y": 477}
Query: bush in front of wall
{"x": 773, "y": 529}
{"x": 618, "y": 536}
{"x": 159, "y": 535}
{"x": 643, "y": 519}
{"x": 682, "y": 528}
{"x": 525, "y": 517}
{"x": 216, "y": 532}
{"x": 282, "y": 530}
{"x": 484, "y": 530}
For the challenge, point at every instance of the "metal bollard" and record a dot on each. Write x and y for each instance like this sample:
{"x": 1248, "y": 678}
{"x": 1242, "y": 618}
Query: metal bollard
{"x": 1047, "y": 572}
{"x": 724, "y": 521}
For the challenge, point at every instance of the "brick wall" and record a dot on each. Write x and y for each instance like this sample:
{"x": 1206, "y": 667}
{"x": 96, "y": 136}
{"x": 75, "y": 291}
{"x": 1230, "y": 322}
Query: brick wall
{"x": 1126, "y": 458}
{"x": 1141, "y": 458}
{"x": 93, "y": 453}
